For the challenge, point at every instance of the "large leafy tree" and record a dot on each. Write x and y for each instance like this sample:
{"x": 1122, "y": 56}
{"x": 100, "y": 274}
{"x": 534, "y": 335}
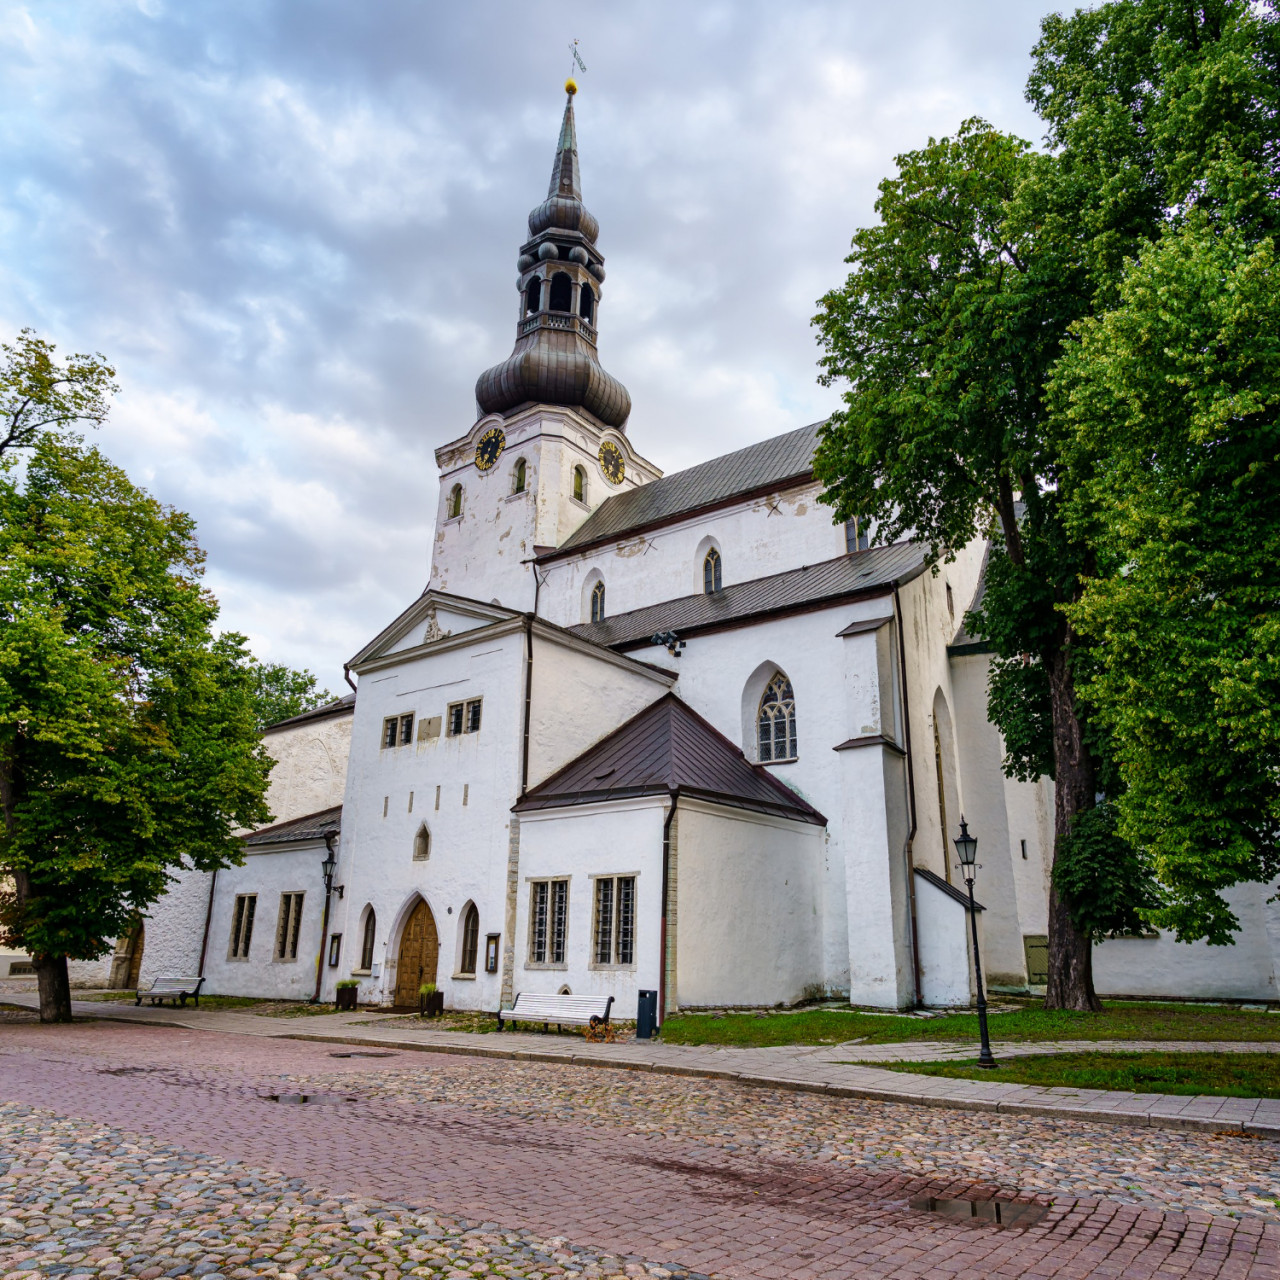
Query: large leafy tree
{"x": 946, "y": 330}
{"x": 128, "y": 738}
{"x": 42, "y": 395}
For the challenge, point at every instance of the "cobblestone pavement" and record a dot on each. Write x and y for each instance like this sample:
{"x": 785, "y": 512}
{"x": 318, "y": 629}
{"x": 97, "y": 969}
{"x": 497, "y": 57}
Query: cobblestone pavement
{"x": 705, "y": 1176}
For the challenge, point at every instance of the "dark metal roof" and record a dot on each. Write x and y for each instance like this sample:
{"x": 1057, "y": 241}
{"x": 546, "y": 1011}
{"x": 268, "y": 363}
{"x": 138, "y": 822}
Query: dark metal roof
{"x": 338, "y": 707}
{"x": 846, "y": 577}
{"x": 762, "y": 466}
{"x": 949, "y": 889}
{"x": 964, "y": 641}
{"x": 668, "y": 747}
{"x": 312, "y": 826}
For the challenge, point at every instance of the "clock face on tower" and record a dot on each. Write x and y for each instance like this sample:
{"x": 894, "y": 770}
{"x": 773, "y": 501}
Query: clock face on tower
{"x": 612, "y": 463}
{"x": 490, "y": 448}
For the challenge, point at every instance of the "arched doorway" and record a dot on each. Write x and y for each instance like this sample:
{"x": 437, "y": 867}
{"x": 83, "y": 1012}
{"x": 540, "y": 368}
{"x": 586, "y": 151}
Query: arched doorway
{"x": 419, "y": 954}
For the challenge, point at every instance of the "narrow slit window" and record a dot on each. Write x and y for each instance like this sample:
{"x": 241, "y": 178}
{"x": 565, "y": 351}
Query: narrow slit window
{"x": 520, "y": 476}
{"x": 579, "y": 484}
{"x": 366, "y": 947}
{"x": 455, "y": 502}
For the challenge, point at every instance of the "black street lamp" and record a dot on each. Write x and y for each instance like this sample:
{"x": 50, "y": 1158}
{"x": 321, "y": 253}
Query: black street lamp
{"x": 327, "y": 869}
{"x": 967, "y": 848}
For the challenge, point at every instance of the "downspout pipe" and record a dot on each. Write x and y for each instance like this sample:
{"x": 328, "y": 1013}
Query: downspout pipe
{"x": 666, "y": 882}
{"x": 346, "y": 675}
{"x": 911, "y": 796}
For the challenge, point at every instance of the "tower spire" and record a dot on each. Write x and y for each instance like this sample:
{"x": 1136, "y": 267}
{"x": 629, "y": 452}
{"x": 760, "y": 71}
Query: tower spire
{"x": 561, "y": 271}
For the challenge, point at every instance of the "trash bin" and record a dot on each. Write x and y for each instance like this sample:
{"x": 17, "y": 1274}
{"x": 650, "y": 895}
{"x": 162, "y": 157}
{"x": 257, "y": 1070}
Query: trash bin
{"x": 646, "y": 1015}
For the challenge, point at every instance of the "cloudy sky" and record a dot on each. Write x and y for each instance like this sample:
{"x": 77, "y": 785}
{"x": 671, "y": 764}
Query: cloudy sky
{"x": 292, "y": 225}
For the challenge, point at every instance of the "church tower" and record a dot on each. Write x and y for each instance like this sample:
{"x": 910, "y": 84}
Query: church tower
{"x": 549, "y": 444}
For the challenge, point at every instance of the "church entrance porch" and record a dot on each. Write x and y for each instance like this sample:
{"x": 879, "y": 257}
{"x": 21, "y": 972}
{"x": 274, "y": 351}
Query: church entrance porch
{"x": 419, "y": 955}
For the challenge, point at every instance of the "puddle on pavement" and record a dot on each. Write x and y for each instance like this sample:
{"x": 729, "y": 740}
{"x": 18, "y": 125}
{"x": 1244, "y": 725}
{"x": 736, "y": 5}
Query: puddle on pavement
{"x": 125, "y": 1071}
{"x": 1000, "y": 1213}
{"x": 374, "y": 1054}
{"x": 299, "y": 1099}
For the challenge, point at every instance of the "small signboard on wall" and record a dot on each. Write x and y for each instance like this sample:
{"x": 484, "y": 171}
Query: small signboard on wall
{"x": 491, "y": 953}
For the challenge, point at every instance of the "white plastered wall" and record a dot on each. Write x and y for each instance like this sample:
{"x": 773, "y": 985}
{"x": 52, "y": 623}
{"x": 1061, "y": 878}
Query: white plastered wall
{"x": 946, "y": 972}
{"x": 749, "y": 907}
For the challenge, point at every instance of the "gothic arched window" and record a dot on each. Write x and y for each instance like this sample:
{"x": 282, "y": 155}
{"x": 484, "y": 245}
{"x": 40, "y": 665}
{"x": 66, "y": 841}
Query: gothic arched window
{"x": 422, "y": 844}
{"x": 470, "y": 938}
{"x": 561, "y": 292}
{"x": 366, "y": 947}
{"x": 520, "y": 476}
{"x": 776, "y": 723}
{"x": 533, "y": 296}
{"x": 711, "y": 572}
{"x": 580, "y": 484}
{"x": 586, "y": 303}
{"x": 455, "y": 502}
{"x": 597, "y": 602}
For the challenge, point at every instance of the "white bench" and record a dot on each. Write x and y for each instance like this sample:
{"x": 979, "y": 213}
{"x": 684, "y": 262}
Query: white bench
{"x": 575, "y": 1011}
{"x": 179, "y": 990}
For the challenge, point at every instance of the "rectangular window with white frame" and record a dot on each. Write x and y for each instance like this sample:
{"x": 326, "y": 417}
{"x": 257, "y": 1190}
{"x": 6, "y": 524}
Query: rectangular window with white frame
{"x": 548, "y": 921}
{"x": 289, "y": 926}
{"x": 613, "y": 938}
{"x": 242, "y": 925}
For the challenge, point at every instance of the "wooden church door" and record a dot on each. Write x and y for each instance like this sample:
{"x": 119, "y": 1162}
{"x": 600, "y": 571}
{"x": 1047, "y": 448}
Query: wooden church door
{"x": 419, "y": 955}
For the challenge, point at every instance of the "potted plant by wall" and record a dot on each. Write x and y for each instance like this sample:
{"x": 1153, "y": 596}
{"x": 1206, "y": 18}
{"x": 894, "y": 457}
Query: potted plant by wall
{"x": 430, "y": 1000}
{"x": 346, "y": 990}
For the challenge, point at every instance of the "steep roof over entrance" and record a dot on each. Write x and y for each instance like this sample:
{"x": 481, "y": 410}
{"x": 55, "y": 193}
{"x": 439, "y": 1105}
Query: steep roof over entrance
{"x": 669, "y": 747}
{"x": 757, "y": 468}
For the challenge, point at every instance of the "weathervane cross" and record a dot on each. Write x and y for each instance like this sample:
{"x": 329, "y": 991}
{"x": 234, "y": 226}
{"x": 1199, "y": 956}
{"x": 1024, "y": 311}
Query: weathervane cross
{"x": 577, "y": 58}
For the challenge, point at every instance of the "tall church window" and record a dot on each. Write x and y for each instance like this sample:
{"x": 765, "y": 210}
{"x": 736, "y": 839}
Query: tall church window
{"x": 561, "y": 292}
{"x": 711, "y": 572}
{"x": 520, "y": 476}
{"x": 597, "y": 602}
{"x": 533, "y": 296}
{"x": 579, "y": 484}
{"x": 857, "y": 535}
{"x": 776, "y": 723}
{"x": 586, "y": 303}
{"x": 366, "y": 947}
{"x": 455, "y": 502}
{"x": 470, "y": 938}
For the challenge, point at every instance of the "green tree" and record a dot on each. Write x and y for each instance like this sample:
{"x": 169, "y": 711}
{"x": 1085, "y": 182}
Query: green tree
{"x": 39, "y": 394}
{"x": 946, "y": 330}
{"x": 128, "y": 740}
{"x": 1175, "y": 399}
{"x": 280, "y": 691}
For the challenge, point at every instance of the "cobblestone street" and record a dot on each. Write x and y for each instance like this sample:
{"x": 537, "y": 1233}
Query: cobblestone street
{"x": 156, "y": 1152}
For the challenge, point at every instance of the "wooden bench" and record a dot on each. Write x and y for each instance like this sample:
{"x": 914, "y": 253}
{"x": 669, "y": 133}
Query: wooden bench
{"x": 179, "y": 990}
{"x": 575, "y": 1011}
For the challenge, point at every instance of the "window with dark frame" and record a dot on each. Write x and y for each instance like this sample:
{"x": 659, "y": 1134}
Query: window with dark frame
{"x": 711, "y": 572}
{"x": 242, "y": 925}
{"x": 289, "y": 926}
{"x": 397, "y": 731}
{"x": 579, "y": 484}
{"x": 366, "y": 947}
{"x": 470, "y": 939}
{"x": 455, "y": 502}
{"x": 464, "y": 717}
{"x": 614, "y": 941}
{"x": 597, "y": 602}
{"x": 548, "y": 921}
{"x": 520, "y": 477}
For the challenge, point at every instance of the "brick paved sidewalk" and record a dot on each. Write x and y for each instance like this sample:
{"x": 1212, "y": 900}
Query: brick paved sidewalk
{"x": 825, "y": 1069}
{"x": 609, "y": 1182}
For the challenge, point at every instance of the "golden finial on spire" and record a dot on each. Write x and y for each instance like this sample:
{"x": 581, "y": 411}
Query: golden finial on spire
{"x": 571, "y": 86}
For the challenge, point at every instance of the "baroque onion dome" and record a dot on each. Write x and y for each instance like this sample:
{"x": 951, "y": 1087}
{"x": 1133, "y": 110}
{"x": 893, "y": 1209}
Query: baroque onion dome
{"x": 561, "y": 270}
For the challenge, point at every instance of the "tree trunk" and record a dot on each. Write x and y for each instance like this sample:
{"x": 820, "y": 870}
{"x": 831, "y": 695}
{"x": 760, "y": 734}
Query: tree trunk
{"x": 55, "y": 988}
{"x": 1070, "y": 984}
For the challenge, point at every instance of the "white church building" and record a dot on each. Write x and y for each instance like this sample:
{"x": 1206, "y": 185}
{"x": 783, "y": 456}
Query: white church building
{"x": 679, "y": 733}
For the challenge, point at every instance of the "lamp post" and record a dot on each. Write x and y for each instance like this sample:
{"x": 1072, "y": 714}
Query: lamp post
{"x": 327, "y": 869}
{"x": 967, "y": 848}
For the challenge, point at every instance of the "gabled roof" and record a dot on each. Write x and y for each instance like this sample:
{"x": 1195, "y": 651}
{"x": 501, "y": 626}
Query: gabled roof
{"x": 668, "y": 747}
{"x": 759, "y": 467}
{"x": 484, "y": 612}
{"x": 311, "y": 826}
{"x": 343, "y": 706}
{"x": 847, "y": 577}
